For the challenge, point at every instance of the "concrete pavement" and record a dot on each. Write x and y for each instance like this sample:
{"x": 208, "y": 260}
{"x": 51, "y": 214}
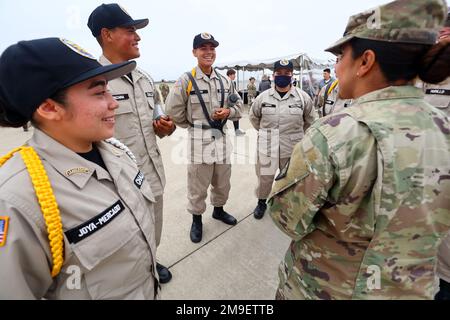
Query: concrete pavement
{"x": 238, "y": 262}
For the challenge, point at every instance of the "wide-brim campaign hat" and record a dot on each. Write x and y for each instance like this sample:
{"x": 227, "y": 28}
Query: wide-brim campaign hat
{"x": 32, "y": 71}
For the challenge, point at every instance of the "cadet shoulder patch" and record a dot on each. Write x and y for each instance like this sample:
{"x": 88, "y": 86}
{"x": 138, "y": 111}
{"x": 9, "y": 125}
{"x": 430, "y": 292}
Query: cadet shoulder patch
{"x": 139, "y": 180}
{"x": 283, "y": 172}
{"x": 3, "y": 230}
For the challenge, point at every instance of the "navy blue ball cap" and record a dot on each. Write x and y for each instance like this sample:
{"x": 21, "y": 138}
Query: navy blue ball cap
{"x": 111, "y": 16}
{"x": 32, "y": 71}
{"x": 203, "y": 38}
{"x": 283, "y": 64}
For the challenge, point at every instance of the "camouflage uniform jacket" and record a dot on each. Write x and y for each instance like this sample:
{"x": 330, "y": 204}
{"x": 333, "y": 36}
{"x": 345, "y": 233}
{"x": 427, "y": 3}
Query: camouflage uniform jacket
{"x": 366, "y": 193}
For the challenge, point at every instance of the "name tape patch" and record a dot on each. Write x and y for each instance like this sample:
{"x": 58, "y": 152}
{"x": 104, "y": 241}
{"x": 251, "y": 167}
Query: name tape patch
{"x": 201, "y": 91}
{"x": 441, "y": 92}
{"x": 139, "y": 180}
{"x": 90, "y": 227}
{"x": 149, "y": 94}
{"x": 121, "y": 97}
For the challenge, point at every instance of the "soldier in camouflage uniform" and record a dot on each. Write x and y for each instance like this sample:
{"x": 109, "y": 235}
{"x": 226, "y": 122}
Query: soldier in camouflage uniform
{"x": 441, "y": 99}
{"x": 164, "y": 88}
{"x": 366, "y": 195}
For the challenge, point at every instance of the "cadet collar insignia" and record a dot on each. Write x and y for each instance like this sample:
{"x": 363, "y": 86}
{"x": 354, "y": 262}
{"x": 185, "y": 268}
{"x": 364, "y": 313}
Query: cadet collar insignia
{"x": 73, "y": 171}
{"x": 284, "y": 62}
{"x": 123, "y": 9}
{"x": 73, "y": 46}
{"x": 205, "y": 36}
{"x": 283, "y": 172}
{"x": 3, "y": 230}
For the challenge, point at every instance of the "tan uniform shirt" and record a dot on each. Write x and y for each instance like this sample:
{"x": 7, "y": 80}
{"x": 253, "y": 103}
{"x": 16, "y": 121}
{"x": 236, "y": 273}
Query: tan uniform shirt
{"x": 332, "y": 103}
{"x": 134, "y": 123}
{"x": 108, "y": 224}
{"x": 186, "y": 111}
{"x": 284, "y": 120}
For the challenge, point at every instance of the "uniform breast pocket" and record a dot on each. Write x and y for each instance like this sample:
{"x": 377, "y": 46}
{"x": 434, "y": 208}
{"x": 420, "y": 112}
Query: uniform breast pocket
{"x": 126, "y": 121}
{"x": 266, "y": 109}
{"x": 197, "y": 110}
{"x": 296, "y": 109}
{"x": 115, "y": 260}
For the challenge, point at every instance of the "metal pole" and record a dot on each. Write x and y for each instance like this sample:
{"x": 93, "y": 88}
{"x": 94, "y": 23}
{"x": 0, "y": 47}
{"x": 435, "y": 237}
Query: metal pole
{"x": 301, "y": 72}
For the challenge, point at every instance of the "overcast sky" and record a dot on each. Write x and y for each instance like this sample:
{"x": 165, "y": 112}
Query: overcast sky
{"x": 246, "y": 29}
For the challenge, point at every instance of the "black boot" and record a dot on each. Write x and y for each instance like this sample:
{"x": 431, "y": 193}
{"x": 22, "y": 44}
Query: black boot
{"x": 164, "y": 274}
{"x": 260, "y": 209}
{"x": 221, "y": 215}
{"x": 196, "y": 228}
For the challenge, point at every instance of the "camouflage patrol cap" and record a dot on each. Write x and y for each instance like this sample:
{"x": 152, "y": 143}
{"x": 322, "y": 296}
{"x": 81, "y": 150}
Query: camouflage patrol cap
{"x": 401, "y": 21}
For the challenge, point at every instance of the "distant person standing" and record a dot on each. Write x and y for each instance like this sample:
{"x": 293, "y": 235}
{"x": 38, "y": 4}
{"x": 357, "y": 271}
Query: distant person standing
{"x": 327, "y": 79}
{"x": 265, "y": 84}
{"x": 281, "y": 115}
{"x": 164, "y": 88}
{"x": 231, "y": 74}
{"x": 251, "y": 89}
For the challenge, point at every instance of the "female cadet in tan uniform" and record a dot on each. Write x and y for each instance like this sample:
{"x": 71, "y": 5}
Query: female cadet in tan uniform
{"x": 76, "y": 214}
{"x": 281, "y": 115}
{"x": 366, "y": 196}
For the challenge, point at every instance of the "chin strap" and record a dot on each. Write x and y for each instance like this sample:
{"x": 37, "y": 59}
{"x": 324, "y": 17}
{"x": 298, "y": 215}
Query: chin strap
{"x": 47, "y": 201}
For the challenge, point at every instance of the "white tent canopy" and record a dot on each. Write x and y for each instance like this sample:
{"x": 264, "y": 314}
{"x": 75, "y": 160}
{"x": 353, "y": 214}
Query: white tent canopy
{"x": 301, "y": 61}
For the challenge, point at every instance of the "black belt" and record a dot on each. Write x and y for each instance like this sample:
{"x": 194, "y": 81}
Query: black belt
{"x": 216, "y": 133}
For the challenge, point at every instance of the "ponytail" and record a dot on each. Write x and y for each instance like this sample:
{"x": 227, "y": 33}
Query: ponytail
{"x": 435, "y": 65}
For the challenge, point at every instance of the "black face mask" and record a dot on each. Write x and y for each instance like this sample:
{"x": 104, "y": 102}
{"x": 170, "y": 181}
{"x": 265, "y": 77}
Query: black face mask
{"x": 283, "y": 81}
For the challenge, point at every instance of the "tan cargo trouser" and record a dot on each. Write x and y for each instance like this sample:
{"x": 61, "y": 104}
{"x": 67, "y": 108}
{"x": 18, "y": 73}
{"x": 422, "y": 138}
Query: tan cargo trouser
{"x": 200, "y": 177}
{"x": 158, "y": 208}
{"x": 265, "y": 174}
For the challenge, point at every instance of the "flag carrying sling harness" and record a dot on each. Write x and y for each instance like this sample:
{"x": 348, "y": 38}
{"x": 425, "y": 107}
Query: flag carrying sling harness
{"x": 330, "y": 87}
{"x": 213, "y": 124}
{"x": 47, "y": 200}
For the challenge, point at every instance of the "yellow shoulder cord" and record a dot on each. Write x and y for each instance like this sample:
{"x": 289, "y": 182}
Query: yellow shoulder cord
{"x": 335, "y": 83}
{"x": 47, "y": 201}
{"x": 189, "y": 87}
